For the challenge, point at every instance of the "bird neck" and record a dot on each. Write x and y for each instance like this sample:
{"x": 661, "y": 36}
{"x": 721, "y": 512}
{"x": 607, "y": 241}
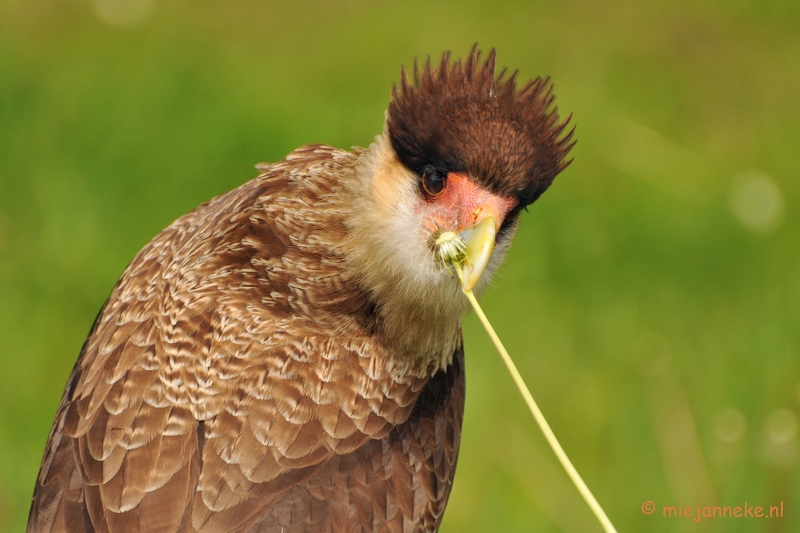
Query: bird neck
{"x": 417, "y": 305}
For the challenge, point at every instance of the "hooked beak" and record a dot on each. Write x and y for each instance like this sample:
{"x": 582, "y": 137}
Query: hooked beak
{"x": 479, "y": 214}
{"x": 480, "y": 240}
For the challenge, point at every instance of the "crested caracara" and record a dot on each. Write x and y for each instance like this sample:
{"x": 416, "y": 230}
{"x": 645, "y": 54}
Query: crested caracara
{"x": 287, "y": 357}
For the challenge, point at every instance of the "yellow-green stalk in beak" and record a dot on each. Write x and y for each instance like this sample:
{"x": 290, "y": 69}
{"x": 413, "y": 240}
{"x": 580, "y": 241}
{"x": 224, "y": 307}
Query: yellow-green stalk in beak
{"x": 470, "y": 251}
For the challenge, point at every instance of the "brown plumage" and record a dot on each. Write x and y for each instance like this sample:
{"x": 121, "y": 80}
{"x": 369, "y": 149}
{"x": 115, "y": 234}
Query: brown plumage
{"x": 518, "y": 148}
{"x": 287, "y": 357}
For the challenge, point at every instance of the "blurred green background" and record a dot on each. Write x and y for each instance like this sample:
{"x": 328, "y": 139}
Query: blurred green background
{"x": 651, "y": 299}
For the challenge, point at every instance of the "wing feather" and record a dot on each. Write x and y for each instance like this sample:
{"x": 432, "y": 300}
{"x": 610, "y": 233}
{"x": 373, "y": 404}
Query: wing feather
{"x": 231, "y": 383}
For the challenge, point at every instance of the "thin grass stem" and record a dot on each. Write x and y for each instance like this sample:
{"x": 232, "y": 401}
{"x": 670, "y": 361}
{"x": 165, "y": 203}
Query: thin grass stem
{"x": 537, "y": 414}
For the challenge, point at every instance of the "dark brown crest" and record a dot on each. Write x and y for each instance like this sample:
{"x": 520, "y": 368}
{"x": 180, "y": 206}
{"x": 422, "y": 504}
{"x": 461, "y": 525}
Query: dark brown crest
{"x": 460, "y": 117}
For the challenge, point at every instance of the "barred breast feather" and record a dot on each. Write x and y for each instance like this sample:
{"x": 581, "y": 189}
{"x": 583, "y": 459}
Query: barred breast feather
{"x": 235, "y": 380}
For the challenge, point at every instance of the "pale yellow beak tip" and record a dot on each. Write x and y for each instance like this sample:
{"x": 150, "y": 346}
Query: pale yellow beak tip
{"x": 480, "y": 240}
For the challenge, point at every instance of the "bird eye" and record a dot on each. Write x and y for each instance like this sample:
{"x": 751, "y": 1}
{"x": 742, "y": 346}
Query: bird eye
{"x": 433, "y": 182}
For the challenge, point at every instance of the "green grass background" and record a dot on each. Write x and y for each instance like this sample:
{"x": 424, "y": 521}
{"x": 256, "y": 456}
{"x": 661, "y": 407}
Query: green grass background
{"x": 660, "y": 334}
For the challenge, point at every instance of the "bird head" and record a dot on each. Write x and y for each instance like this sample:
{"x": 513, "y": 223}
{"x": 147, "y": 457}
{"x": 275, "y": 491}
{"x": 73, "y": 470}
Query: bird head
{"x": 464, "y": 150}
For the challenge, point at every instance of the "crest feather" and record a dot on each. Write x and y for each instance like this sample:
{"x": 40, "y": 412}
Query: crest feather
{"x": 461, "y": 117}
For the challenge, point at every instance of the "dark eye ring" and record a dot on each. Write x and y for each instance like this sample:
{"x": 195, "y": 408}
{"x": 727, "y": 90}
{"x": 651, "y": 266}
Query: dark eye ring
{"x": 433, "y": 182}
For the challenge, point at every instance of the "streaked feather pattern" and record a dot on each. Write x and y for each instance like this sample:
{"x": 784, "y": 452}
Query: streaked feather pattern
{"x": 234, "y": 382}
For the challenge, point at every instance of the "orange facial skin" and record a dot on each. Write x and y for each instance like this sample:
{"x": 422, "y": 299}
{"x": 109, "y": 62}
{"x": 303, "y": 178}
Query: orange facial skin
{"x": 463, "y": 204}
